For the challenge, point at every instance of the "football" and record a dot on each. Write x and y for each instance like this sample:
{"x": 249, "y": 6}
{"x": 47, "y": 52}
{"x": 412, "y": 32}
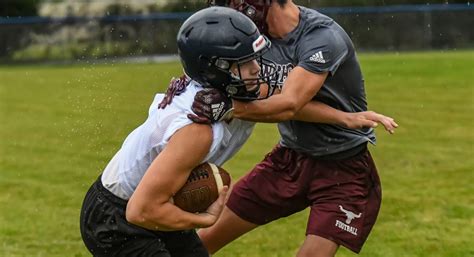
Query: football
{"x": 202, "y": 188}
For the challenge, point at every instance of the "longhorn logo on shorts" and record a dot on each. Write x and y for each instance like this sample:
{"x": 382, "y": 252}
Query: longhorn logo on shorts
{"x": 350, "y": 215}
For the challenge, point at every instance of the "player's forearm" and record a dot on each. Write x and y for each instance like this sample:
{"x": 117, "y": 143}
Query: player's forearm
{"x": 168, "y": 217}
{"x": 318, "y": 112}
{"x": 275, "y": 109}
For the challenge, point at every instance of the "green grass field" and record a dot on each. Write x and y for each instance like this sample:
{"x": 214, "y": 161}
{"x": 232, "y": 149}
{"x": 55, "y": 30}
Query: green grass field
{"x": 60, "y": 125}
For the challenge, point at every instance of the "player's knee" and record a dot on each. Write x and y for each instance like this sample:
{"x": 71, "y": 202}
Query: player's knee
{"x": 202, "y": 235}
{"x": 206, "y": 239}
{"x": 314, "y": 253}
{"x": 315, "y": 246}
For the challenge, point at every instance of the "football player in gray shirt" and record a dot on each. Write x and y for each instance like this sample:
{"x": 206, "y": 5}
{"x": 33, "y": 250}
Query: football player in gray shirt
{"x": 326, "y": 165}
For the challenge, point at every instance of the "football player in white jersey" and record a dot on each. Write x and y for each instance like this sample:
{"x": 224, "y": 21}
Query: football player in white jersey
{"x": 127, "y": 211}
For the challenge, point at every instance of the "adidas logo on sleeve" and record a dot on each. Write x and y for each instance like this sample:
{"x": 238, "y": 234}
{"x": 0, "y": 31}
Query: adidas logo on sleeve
{"x": 318, "y": 57}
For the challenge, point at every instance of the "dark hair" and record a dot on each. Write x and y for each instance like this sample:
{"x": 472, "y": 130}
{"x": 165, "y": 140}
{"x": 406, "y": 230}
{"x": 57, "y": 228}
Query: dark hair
{"x": 282, "y": 2}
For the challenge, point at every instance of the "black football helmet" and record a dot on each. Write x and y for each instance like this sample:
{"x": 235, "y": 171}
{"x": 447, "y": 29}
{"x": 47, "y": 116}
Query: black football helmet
{"x": 212, "y": 40}
{"x": 256, "y": 10}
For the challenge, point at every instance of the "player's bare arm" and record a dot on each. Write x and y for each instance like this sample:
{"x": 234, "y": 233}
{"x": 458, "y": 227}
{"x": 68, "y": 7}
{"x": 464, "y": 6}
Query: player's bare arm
{"x": 294, "y": 103}
{"x": 150, "y": 205}
{"x": 318, "y": 112}
{"x": 315, "y": 111}
{"x": 299, "y": 88}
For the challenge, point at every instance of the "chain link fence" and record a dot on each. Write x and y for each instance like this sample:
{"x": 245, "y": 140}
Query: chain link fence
{"x": 390, "y": 28}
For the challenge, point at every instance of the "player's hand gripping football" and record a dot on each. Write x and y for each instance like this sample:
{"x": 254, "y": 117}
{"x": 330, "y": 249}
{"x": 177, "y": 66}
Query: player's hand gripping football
{"x": 214, "y": 211}
{"x": 211, "y": 105}
{"x": 371, "y": 119}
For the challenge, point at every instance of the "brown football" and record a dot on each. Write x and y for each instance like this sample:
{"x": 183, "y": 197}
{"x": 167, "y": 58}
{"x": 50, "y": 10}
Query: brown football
{"x": 202, "y": 188}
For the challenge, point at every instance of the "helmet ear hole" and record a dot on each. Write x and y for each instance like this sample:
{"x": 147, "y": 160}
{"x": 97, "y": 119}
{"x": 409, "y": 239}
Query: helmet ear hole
{"x": 204, "y": 61}
{"x": 231, "y": 90}
{"x": 222, "y": 64}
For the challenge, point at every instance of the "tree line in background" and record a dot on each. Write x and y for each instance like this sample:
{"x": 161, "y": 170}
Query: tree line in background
{"x": 98, "y": 38}
{"x": 14, "y": 8}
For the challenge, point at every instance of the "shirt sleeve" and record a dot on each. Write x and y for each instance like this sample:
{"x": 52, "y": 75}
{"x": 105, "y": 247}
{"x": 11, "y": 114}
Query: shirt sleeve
{"x": 322, "y": 50}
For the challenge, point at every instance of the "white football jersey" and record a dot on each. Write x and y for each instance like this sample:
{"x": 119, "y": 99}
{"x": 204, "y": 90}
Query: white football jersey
{"x": 140, "y": 148}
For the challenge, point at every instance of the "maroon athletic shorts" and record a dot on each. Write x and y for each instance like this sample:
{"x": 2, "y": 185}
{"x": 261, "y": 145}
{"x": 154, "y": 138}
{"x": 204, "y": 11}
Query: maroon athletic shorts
{"x": 344, "y": 195}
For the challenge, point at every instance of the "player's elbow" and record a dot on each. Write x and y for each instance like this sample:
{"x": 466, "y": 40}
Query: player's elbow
{"x": 135, "y": 215}
{"x": 138, "y": 214}
{"x": 148, "y": 217}
{"x": 291, "y": 107}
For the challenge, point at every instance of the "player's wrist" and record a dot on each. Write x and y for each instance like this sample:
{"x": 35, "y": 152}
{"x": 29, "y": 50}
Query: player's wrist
{"x": 227, "y": 115}
{"x": 344, "y": 119}
{"x": 238, "y": 107}
{"x": 206, "y": 220}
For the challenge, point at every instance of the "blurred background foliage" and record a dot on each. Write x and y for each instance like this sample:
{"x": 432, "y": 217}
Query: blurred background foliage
{"x": 98, "y": 29}
{"x": 14, "y": 8}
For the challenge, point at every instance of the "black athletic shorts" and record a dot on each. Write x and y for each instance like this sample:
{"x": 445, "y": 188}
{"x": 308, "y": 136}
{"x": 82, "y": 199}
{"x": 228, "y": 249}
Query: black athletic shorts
{"x": 106, "y": 232}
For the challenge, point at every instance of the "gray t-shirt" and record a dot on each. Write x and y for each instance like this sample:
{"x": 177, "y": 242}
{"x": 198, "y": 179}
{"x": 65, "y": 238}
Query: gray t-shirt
{"x": 318, "y": 44}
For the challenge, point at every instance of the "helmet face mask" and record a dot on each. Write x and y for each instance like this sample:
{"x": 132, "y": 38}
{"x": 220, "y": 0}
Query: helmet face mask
{"x": 247, "y": 89}
{"x": 216, "y": 41}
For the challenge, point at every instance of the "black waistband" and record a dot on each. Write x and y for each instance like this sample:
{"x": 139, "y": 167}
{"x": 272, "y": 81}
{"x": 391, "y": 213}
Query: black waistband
{"x": 344, "y": 154}
{"x": 107, "y": 194}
